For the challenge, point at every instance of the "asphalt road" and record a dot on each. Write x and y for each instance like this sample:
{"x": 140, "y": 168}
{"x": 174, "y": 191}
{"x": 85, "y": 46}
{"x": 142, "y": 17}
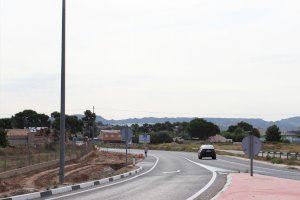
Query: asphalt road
{"x": 176, "y": 175}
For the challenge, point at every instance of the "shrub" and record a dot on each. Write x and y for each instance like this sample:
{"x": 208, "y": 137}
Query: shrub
{"x": 285, "y": 141}
{"x": 291, "y": 161}
{"x": 268, "y": 157}
{"x": 160, "y": 137}
{"x": 273, "y": 134}
{"x": 3, "y": 138}
{"x": 276, "y": 160}
{"x": 236, "y": 136}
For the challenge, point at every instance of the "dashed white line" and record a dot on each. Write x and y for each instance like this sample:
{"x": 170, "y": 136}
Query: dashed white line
{"x": 171, "y": 172}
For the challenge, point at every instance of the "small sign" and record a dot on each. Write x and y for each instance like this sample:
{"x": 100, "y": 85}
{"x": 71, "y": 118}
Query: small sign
{"x": 126, "y": 133}
{"x": 144, "y": 138}
{"x": 256, "y": 145}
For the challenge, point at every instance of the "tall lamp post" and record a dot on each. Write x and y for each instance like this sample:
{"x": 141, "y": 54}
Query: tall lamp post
{"x": 62, "y": 103}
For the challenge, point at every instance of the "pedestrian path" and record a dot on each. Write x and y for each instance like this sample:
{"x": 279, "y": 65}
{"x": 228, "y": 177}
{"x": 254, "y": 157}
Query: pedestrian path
{"x": 260, "y": 187}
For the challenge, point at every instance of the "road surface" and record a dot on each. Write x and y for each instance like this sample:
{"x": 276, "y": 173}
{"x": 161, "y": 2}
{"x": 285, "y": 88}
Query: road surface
{"x": 176, "y": 175}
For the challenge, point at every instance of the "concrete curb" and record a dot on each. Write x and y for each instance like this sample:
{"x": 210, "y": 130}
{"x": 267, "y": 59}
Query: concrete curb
{"x": 227, "y": 184}
{"x": 69, "y": 188}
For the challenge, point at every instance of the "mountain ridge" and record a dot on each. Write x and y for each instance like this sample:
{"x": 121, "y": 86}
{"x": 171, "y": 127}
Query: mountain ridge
{"x": 288, "y": 124}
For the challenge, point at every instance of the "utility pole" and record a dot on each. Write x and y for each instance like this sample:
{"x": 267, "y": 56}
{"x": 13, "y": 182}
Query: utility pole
{"x": 93, "y": 125}
{"x": 126, "y": 143}
{"x": 62, "y": 103}
{"x": 251, "y": 154}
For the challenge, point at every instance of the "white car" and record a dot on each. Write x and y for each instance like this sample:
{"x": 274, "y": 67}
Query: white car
{"x": 207, "y": 151}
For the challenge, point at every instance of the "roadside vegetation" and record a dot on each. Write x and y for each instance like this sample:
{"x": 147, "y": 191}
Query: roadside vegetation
{"x": 96, "y": 165}
{"x": 3, "y": 138}
{"x": 178, "y": 136}
{"x": 270, "y": 159}
{"x": 239, "y": 131}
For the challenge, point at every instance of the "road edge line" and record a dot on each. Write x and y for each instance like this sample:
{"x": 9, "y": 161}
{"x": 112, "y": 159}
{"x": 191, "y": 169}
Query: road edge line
{"x": 227, "y": 184}
{"x": 97, "y": 188}
{"x": 212, "y": 180}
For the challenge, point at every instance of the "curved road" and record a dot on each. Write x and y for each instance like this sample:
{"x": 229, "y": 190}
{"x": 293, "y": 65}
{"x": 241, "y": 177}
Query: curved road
{"x": 176, "y": 175}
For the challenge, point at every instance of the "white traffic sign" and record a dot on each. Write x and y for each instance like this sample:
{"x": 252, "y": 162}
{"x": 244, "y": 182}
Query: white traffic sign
{"x": 256, "y": 145}
{"x": 144, "y": 138}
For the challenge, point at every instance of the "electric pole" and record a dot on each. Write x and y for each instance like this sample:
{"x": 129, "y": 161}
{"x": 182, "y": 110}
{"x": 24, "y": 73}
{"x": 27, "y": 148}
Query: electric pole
{"x": 62, "y": 100}
{"x": 93, "y": 125}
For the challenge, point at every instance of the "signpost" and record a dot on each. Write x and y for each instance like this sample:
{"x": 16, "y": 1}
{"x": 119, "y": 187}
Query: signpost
{"x": 251, "y": 146}
{"x": 144, "y": 139}
{"x": 126, "y": 135}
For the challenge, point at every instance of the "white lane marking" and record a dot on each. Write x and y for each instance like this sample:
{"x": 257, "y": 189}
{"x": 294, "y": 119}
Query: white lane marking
{"x": 97, "y": 188}
{"x": 260, "y": 167}
{"x": 213, "y": 178}
{"x": 228, "y": 183}
{"x": 177, "y": 171}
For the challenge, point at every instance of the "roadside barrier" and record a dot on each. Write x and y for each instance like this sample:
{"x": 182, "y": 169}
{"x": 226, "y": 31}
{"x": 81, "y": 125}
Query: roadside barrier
{"x": 274, "y": 154}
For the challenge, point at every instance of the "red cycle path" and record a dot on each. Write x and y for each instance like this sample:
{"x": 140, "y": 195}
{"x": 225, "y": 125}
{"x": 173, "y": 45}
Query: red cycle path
{"x": 260, "y": 187}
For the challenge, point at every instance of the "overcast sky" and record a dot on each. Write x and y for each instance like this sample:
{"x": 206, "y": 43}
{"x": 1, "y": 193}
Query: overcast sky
{"x": 134, "y": 58}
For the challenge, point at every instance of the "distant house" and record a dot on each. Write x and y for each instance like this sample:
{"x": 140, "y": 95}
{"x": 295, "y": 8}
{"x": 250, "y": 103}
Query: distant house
{"x": 113, "y": 136}
{"x": 18, "y": 136}
{"x": 292, "y": 136}
{"x": 218, "y": 138}
{"x": 25, "y": 136}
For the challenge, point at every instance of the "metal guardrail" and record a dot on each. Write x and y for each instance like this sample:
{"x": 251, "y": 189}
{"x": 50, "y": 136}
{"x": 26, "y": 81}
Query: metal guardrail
{"x": 275, "y": 154}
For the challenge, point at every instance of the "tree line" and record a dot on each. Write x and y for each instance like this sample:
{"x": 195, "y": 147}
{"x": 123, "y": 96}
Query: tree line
{"x": 197, "y": 128}
{"x": 30, "y": 118}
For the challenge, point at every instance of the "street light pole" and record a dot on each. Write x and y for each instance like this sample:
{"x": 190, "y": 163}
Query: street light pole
{"x": 62, "y": 103}
{"x": 93, "y": 126}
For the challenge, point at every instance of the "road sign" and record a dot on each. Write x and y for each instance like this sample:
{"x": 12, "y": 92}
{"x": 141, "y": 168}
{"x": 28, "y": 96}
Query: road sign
{"x": 126, "y": 133}
{"x": 256, "y": 145}
{"x": 144, "y": 138}
{"x": 251, "y": 147}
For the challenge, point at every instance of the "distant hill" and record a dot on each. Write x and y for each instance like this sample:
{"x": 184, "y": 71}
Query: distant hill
{"x": 288, "y": 124}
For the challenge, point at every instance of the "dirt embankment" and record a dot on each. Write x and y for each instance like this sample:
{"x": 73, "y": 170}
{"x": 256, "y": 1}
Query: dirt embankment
{"x": 96, "y": 166}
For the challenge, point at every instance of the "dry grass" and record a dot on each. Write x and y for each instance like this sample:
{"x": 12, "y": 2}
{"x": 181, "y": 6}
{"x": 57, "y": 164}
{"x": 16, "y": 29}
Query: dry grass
{"x": 193, "y": 146}
{"x": 267, "y": 159}
{"x": 95, "y": 166}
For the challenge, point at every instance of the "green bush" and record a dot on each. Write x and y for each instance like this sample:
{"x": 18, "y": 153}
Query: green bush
{"x": 160, "y": 137}
{"x": 3, "y": 138}
{"x": 236, "y": 136}
{"x": 273, "y": 134}
{"x": 268, "y": 157}
{"x": 286, "y": 141}
{"x": 276, "y": 160}
{"x": 291, "y": 161}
